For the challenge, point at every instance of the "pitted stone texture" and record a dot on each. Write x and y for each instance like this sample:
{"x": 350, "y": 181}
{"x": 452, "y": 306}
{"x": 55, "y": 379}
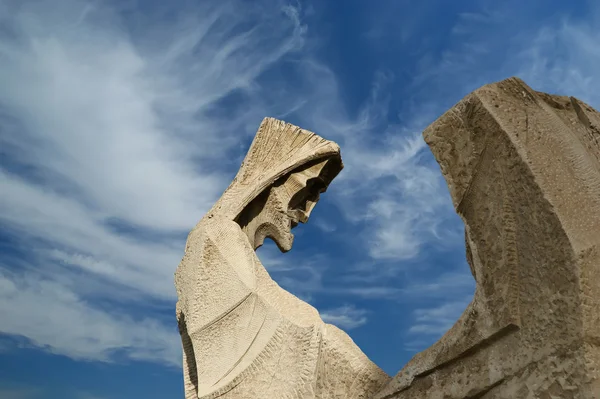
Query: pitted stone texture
{"x": 523, "y": 170}
{"x": 244, "y": 336}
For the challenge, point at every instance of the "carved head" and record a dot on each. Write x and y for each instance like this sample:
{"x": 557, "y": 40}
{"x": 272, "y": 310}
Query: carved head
{"x": 289, "y": 201}
{"x": 279, "y": 182}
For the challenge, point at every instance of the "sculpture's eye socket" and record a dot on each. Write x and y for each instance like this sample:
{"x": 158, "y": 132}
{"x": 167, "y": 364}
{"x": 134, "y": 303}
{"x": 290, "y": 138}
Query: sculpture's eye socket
{"x": 304, "y": 200}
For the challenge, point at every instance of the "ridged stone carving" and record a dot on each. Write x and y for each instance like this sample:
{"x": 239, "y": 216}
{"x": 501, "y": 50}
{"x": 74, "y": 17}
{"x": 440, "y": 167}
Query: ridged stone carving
{"x": 243, "y": 335}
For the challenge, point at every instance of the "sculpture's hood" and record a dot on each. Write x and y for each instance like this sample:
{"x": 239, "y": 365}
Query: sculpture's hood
{"x": 278, "y": 149}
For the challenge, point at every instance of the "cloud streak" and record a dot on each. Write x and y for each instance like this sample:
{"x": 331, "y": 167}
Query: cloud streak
{"x": 55, "y": 318}
{"x": 108, "y": 142}
{"x": 346, "y": 317}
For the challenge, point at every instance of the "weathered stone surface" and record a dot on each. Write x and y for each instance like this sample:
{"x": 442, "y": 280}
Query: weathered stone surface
{"x": 523, "y": 169}
{"x": 244, "y": 336}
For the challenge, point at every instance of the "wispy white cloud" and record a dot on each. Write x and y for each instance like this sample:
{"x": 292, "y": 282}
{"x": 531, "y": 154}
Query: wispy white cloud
{"x": 55, "y": 318}
{"x": 368, "y": 292}
{"x": 447, "y": 284}
{"x": 346, "y": 317}
{"x": 398, "y": 184}
{"x": 325, "y": 225}
{"x": 33, "y": 212}
{"x": 109, "y": 137}
{"x": 430, "y": 323}
{"x": 437, "y": 320}
{"x": 391, "y": 186}
{"x": 563, "y": 59}
{"x": 124, "y": 125}
{"x": 552, "y": 51}
{"x": 301, "y": 277}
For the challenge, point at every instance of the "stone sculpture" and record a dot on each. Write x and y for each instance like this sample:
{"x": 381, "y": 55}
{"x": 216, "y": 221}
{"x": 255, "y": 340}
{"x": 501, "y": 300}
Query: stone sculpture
{"x": 523, "y": 169}
{"x": 244, "y": 336}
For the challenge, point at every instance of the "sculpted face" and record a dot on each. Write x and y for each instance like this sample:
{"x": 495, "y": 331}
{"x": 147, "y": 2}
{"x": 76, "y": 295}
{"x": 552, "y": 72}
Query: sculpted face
{"x": 288, "y": 202}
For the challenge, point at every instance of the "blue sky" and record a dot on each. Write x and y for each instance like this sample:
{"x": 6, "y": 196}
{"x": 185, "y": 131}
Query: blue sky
{"x": 122, "y": 122}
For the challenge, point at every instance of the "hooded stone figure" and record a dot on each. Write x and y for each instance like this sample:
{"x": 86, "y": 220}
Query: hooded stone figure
{"x": 243, "y": 335}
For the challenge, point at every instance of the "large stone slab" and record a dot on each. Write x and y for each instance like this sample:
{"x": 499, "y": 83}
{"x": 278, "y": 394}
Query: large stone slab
{"x": 523, "y": 170}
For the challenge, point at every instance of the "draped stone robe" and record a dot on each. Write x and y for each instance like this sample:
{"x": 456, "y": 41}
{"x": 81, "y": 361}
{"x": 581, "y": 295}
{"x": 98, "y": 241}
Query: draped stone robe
{"x": 243, "y": 335}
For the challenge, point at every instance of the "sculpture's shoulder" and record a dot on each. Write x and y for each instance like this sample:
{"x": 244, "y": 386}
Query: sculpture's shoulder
{"x": 218, "y": 267}
{"x": 206, "y": 241}
{"x": 355, "y": 374}
{"x": 217, "y": 236}
{"x": 215, "y": 230}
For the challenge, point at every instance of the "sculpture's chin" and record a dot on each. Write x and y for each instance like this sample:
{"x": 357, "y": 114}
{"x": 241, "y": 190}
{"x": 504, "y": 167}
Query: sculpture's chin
{"x": 282, "y": 237}
{"x": 285, "y": 244}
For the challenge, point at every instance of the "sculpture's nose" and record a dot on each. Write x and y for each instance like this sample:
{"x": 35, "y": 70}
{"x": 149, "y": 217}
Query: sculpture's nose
{"x": 298, "y": 215}
{"x": 302, "y": 217}
{"x": 310, "y": 205}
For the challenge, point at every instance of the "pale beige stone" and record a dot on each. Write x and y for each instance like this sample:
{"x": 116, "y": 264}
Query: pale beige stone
{"x": 244, "y": 336}
{"x": 523, "y": 169}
